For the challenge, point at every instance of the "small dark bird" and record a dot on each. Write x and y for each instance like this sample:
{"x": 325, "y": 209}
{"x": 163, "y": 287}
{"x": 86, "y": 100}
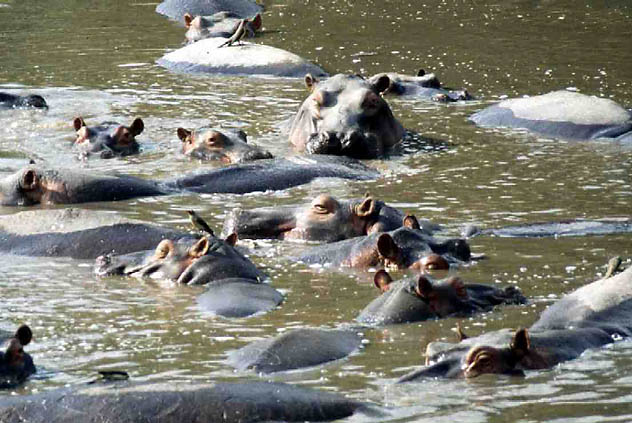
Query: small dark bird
{"x": 238, "y": 35}
{"x": 613, "y": 266}
{"x": 199, "y": 223}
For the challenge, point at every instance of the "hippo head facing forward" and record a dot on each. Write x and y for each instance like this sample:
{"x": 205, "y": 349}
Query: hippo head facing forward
{"x": 227, "y": 146}
{"x": 345, "y": 115}
{"x": 109, "y": 138}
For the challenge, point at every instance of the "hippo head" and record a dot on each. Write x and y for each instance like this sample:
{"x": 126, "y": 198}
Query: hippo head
{"x": 221, "y": 24}
{"x": 228, "y": 146}
{"x": 205, "y": 261}
{"x": 31, "y": 185}
{"x": 345, "y": 115}
{"x": 324, "y": 219}
{"x": 110, "y": 138}
{"x": 15, "y": 364}
{"x": 401, "y": 84}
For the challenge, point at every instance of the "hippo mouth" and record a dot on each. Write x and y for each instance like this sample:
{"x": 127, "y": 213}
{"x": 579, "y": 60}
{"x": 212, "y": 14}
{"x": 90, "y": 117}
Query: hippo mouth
{"x": 359, "y": 145}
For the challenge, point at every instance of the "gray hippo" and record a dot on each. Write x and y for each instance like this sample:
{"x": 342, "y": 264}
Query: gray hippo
{"x": 423, "y": 86}
{"x": 592, "y": 316}
{"x": 169, "y": 402}
{"x": 176, "y": 9}
{"x": 345, "y": 115}
{"x": 222, "y": 24}
{"x": 225, "y": 145}
{"x": 15, "y": 364}
{"x": 560, "y": 114}
{"x": 413, "y": 300}
{"x": 408, "y": 247}
{"x": 109, "y": 139}
{"x": 578, "y": 227}
{"x": 324, "y": 219}
{"x": 13, "y": 101}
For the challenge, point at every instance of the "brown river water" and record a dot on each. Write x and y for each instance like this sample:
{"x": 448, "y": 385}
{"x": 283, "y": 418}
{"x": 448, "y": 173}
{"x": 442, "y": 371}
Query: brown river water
{"x": 96, "y": 59}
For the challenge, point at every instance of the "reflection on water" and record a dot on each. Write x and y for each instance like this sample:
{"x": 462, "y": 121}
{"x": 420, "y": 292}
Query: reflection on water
{"x": 98, "y": 62}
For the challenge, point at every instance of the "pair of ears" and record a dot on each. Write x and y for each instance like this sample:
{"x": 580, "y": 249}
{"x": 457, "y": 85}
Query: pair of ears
{"x": 424, "y": 288}
{"x": 136, "y": 128}
{"x": 197, "y": 250}
{"x": 382, "y": 84}
{"x": 185, "y": 134}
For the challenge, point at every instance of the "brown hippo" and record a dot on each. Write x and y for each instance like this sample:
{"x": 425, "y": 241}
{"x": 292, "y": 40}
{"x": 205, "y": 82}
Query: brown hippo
{"x": 345, "y": 115}
{"x": 16, "y": 365}
{"x": 227, "y": 146}
{"x": 109, "y": 138}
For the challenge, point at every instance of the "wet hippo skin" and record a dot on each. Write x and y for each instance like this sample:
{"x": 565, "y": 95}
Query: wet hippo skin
{"x": 14, "y": 101}
{"x": 225, "y": 145}
{"x": 176, "y": 9}
{"x": 109, "y": 139}
{"x": 423, "y": 86}
{"x": 15, "y": 364}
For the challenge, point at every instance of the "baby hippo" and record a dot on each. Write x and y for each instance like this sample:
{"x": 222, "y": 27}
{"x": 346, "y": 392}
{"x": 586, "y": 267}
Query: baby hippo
{"x": 227, "y": 146}
{"x": 221, "y": 24}
{"x": 16, "y": 365}
{"x": 109, "y": 138}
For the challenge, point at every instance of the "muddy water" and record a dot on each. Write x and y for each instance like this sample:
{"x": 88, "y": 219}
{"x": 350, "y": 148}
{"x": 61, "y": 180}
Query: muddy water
{"x": 96, "y": 59}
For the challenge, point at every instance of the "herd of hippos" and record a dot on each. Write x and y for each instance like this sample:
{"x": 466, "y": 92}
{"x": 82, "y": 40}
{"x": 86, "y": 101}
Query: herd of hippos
{"x": 344, "y": 118}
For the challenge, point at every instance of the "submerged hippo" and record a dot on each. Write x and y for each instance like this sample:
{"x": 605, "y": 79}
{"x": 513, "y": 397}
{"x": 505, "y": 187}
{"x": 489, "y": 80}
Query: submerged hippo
{"x": 592, "y": 316}
{"x": 295, "y": 349}
{"x": 423, "y": 85}
{"x": 227, "y": 146}
{"x": 579, "y": 227}
{"x": 176, "y": 9}
{"x": 561, "y": 114}
{"x": 324, "y": 219}
{"x": 408, "y": 247}
{"x": 170, "y": 402}
{"x": 412, "y": 300}
{"x": 13, "y": 101}
{"x": 222, "y": 24}
{"x": 345, "y": 115}
{"x": 15, "y": 364}
{"x": 109, "y": 138}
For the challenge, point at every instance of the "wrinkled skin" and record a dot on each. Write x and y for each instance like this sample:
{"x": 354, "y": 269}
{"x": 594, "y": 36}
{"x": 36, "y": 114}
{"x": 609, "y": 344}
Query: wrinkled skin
{"x": 424, "y": 86}
{"x": 12, "y": 101}
{"x": 170, "y": 402}
{"x": 227, "y": 146}
{"x": 109, "y": 139}
{"x": 412, "y": 300}
{"x": 345, "y": 115}
{"x": 15, "y": 364}
{"x": 36, "y": 184}
{"x": 295, "y": 349}
{"x": 222, "y": 24}
{"x": 408, "y": 247}
{"x": 176, "y": 9}
{"x": 324, "y": 219}
{"x": 592, "y": 316}
{"x": 579, "y": 227}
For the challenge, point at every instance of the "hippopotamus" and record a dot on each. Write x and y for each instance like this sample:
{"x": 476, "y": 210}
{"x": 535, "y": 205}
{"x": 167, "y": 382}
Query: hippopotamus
{"x": 109, "y": 138}
{"x": 408, "y": 247}
{"x": 207, "y": 56}
{"x": 413, "y": 300}
{"x": 176, "y": 9}
{"x": 239, "y": 297}
{"x": 176, "y": 402}
{"x": 13, "y": 101}
{"x": 577, "y": 227}
{"x": 222, "y": 24}
{"x": 594, "y": 315}
{"x": 423, "y": 85}
{"x": 72, "y": 233}
{"x": 225, "y": 145}
{"x": 15, "y": 364}
{"x": 560, "y": 114}
{"x": 324, "y": 219}
{"x": 345, "y": 115}
{"x": 295, "y": 349}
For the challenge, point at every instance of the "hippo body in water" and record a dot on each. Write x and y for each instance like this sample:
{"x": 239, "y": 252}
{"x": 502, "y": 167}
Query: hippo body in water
{"x": 13, "y": 101}
{"x": 222, "y": 24}
{"x": 225, "y": 145}
{"x": 324, "y": 219}
{"x": 109, "y": 139}
{"x": 180, "y": 402}
{"x": 578, "y": 227}
{"x": 560, "y": 114}
{"x": 345, "y": 115}
{"x": 15, "y": 364}
{"x": 412, "y": 300}
{"x": 176, "y": 9}
{"x": 594, "y": 315}
{"x": 423, "y": 86}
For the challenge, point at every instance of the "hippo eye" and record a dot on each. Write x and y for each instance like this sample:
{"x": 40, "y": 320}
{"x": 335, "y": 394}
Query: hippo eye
{"x": 320, "y": 209}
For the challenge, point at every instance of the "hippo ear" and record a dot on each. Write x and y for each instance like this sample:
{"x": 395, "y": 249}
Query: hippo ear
{"x": 187, "y": 19}
{"x": 382, "y": 280}
{"x": 231, "y": 239}
{"x": 382, "y": 84}
{"x": 257, "y": 22}
{"x": 459, "y": 287}
{"x": 78, "y": 123}
{"x": 421, "y": 72}
{"x": 387, "y": 248}
{"x": 310, "y": 82}
{"x": 24, "y": 335}
{"x": 411, "y": 222}
{"x": 424, "y": 288}
{"x": 163, "y": 249}
{"x": 137, "y": 127}
{"x": 200, "y": 248}
{"x": 183, "y": 134}
{"x": 29, "y": 180}
{"x": 365, "y": 208}
{"x": 520, "y": 344}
